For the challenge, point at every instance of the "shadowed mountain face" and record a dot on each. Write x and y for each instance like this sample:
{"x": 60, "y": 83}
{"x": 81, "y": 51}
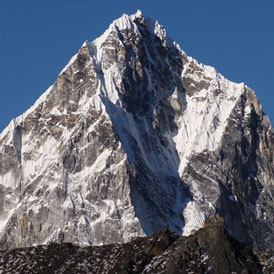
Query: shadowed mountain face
{"x": 209, "y": 250}
{"x": 134, "y": 136}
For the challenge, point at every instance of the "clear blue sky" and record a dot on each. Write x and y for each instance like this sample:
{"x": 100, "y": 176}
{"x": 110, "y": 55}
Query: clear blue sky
{"x": 38, "y": 37}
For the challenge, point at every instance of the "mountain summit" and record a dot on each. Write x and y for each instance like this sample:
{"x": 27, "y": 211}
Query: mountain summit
{"x": 133, "y": 136}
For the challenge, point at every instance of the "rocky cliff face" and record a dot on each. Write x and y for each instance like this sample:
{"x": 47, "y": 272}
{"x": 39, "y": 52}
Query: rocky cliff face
{"x": 209, "y": 250}
{"x": 135, "y": 135}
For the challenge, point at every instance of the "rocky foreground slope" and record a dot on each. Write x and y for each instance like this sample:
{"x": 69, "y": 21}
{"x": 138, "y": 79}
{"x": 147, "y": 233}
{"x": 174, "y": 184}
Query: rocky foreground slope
{"x": 133, "y": 136}
{"x": 209, "y": 250}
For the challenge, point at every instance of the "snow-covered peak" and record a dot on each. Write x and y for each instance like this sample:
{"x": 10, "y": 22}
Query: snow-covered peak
{"x": 133, "y": 130}
{"x": 129, "y": 22}
{"x": 138, "y": 13}
{"x": 156, "y": 28}
{"x": 124, "y": 22}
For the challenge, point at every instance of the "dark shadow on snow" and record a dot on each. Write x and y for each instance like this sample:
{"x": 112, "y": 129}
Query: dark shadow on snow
{"x": 145, "y": 124}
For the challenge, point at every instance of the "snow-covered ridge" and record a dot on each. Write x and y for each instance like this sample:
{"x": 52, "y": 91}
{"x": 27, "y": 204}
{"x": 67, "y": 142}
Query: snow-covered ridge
{"x": 18, "y": 120}
{"x": 205, "y": 119}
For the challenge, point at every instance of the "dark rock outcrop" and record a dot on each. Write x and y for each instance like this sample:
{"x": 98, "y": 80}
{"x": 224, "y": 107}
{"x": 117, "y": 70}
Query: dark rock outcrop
{"x": 209, "y": 250}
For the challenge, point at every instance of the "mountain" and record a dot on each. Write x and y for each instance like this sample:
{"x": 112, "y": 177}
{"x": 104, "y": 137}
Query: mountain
{"x": 133, "y": 136}
{"x": 209, "y": 250}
